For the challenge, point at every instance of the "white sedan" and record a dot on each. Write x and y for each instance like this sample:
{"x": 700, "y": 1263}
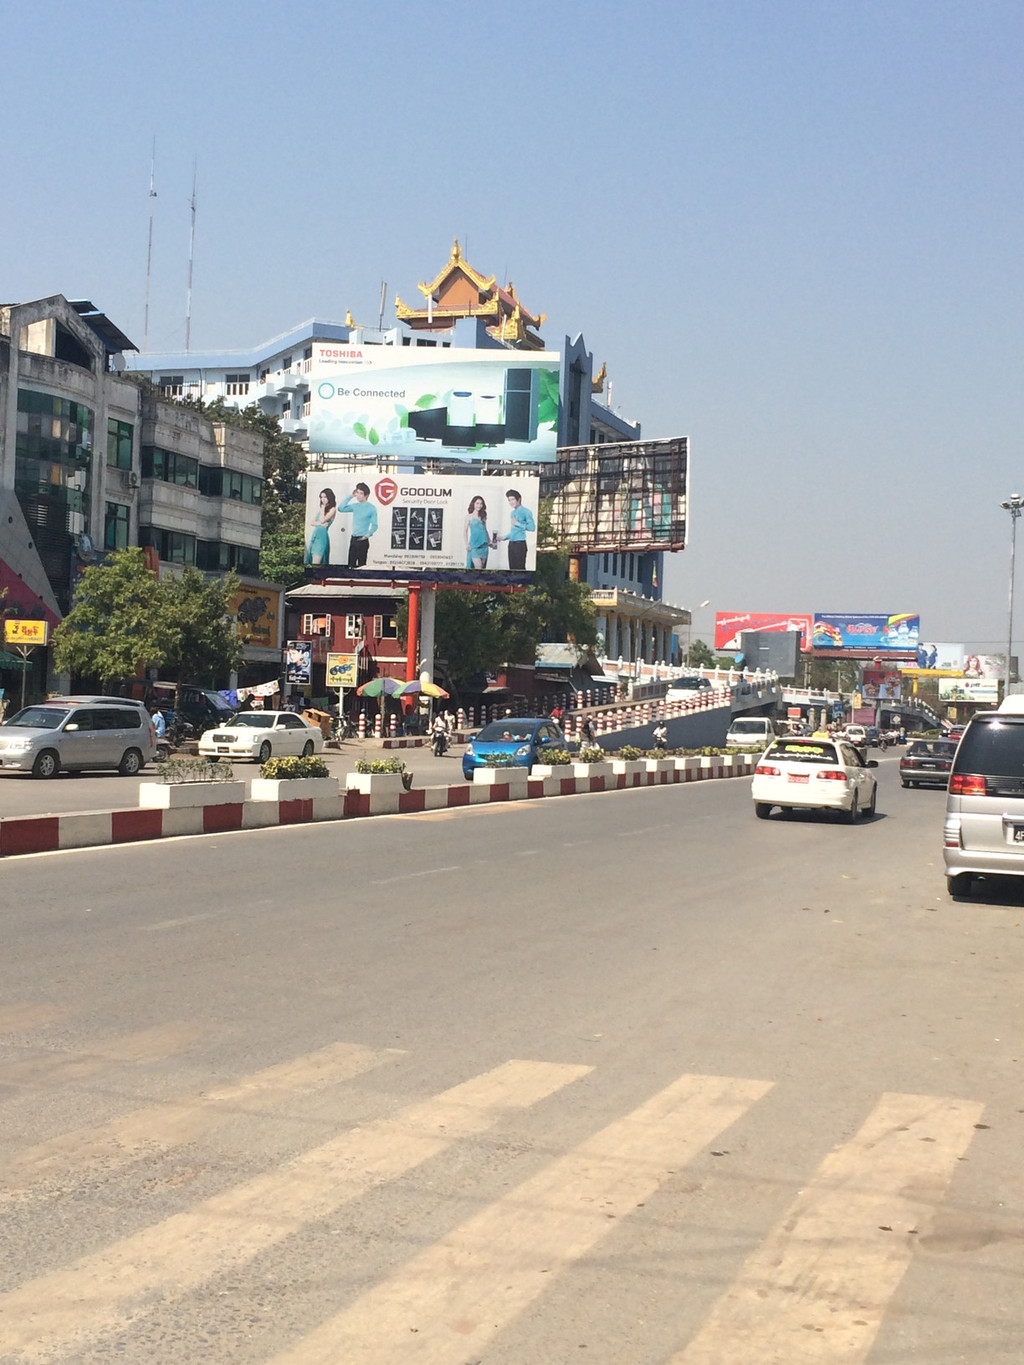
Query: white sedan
{"x": 261, "y": 735}
{"x": 814, "y": 774}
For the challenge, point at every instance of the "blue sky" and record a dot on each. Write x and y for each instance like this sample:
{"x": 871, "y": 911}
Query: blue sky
{"x": 792, "y": 230}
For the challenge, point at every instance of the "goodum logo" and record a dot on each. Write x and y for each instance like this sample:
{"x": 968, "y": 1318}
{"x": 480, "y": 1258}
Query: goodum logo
{"x": 386, "y": 491}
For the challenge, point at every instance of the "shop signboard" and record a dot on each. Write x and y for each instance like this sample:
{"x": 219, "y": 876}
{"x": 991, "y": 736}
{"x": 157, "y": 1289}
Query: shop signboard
{"x": 894, "y": 634}
{"x": 342, "y": 670}
{"x": 298, "y": 662}
{"x": 419, "y": 523}
{"x": 984, "y": 690}
{"x": 19, "y": 632}
{"x": 257, "y": 615}
{"x": 729, "y": 625}
{"x": 427, "y": 402}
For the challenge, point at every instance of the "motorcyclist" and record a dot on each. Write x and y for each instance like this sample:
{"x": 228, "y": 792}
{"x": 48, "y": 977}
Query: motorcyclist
{"x": 439, "y": 735}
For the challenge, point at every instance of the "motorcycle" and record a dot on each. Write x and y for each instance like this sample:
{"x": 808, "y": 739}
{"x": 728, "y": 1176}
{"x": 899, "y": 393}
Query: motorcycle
{"x": 439, "y": 742}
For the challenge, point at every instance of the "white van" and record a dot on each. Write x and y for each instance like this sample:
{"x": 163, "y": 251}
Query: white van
{"x": 750, "y": 732}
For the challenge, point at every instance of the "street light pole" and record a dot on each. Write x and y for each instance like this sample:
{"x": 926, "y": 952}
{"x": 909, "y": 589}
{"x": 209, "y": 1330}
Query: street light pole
{"x": 1014, "y": 505}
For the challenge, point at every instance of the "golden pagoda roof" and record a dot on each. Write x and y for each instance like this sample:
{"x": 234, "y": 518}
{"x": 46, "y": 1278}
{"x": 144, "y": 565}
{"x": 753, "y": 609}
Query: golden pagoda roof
{"x": 511, "y": 321}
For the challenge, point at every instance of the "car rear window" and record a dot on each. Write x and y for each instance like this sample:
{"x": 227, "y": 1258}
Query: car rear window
{"x": 748, "y": 727}
{"x": 993, "y": 747}
{"x": 931, "y": 748}
{"x": 803, "y": 751}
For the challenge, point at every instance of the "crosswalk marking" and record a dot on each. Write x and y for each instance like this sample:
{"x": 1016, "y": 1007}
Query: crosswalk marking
{"x": 98, "y": 1294}
{"x": 447, "y": 1303}
{"x": 816, "y": 1291}
{"x": 159, "y": 1127}
{"x": 56, "y": 1068}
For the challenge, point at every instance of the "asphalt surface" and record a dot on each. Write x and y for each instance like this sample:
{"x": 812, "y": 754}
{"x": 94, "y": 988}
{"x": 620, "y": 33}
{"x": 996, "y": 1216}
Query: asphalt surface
{"x": 629, "y": 1078}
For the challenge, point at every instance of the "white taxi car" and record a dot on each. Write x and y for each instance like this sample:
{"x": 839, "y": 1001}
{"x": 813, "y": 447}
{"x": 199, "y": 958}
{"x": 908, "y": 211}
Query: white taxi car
{"x": 261, "y": 735}
{"x": 814, "y": 773}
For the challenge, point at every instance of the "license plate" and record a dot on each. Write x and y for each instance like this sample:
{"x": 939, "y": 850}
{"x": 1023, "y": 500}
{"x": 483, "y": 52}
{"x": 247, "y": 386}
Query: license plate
{"x": 1018, "y": 834}
{"x": 222, "y": 748}
{"x": 932, "y": 766}
{"x": 798, "y": 777}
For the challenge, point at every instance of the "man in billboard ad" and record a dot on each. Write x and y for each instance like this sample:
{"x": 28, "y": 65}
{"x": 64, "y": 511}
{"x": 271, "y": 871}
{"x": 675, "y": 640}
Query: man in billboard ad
{"x": 896, "y": 634}
{"x": 417, "y": 402}
{"x": 729, "y": 625}
{"x": 298, "y": 662}
{"x": 933, "y": 658}
{"x": 422, "y": 522}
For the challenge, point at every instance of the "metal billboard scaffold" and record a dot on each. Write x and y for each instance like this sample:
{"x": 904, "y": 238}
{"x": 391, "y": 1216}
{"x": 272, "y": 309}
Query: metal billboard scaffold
{"x": 627, "y": 495}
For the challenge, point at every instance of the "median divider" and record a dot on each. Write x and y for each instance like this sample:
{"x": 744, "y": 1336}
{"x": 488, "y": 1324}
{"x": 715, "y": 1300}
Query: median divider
{"x": 217, "y": 810}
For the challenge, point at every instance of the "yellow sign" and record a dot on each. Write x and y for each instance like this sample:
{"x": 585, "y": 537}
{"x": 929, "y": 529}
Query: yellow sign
{"x": 342, "y": 670}
{"x": 257, "y": 613}
{"x": 26, "y": 632}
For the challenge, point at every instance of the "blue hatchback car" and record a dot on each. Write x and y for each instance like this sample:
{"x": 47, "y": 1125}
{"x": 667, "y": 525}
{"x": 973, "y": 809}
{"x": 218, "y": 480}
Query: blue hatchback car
{"x": 521, "y": 740}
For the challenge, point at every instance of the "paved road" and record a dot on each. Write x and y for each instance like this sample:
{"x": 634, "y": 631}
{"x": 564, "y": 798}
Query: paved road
{"x": 631, "y": 1079}
{"x": 21, "y": 794}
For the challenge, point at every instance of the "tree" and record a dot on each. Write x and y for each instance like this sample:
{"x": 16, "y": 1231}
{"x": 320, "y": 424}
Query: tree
{"x": 699, "y": 655}
{"x": 117, "y": 622}
{"x": 204, "y": 645}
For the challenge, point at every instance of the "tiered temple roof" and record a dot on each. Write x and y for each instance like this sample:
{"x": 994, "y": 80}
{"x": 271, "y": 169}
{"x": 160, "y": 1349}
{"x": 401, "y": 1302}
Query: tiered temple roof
{"x": 459, "y": 291}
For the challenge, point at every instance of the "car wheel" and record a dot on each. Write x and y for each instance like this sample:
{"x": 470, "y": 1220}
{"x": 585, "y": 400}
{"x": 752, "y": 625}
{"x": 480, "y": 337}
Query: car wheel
{"x": 904, "y": 784}
{"x": 307, "y": 749}
{"x": 869, "y": 811}
{"x": 762, "y": 810}
{"x": 959, "y": 884}
{"x": 47, "y": 764}
{"x": 212, "y": 758}
{"x": 131, "y": 763}
{"x": 854, "y": 811}
{"x": 265, "y": 751}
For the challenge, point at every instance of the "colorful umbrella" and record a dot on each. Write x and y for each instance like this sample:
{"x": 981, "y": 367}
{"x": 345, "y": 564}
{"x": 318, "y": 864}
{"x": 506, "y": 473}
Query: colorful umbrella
{"x": 377, "y": 687}
{"x": 428, "y": 689}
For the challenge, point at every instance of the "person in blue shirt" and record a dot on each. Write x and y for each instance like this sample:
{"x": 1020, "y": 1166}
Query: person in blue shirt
{"x": 364, "y": 524}
{"x": 522, "y": 521}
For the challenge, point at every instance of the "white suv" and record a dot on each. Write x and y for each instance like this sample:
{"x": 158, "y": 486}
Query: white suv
{"x": 984, "y": 829}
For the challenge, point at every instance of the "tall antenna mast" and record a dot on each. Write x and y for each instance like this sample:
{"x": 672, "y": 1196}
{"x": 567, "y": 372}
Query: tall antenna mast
{"x": 149, "y": 249}
{"x": 191, "y": 256}
{"x": 380, "y": 315}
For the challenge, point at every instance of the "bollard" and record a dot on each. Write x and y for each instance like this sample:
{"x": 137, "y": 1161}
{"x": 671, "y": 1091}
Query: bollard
{"x": 460, "y": 718}
{"x": 376, "y": 726}
{"x": 361, "y": 727}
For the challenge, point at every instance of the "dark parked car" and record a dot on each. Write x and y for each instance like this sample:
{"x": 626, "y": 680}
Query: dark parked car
{"x": 927, "y": 763}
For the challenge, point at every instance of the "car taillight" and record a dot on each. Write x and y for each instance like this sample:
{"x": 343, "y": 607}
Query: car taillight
{"x": 968, "y": 784}
{"x": 766, "y": 770}
{"x": 831, "y": 775}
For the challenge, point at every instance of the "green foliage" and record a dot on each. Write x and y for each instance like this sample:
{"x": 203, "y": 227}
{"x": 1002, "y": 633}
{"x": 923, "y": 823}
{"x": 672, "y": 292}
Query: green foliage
{"x": 699, "y": 655}
{"x": 381, "y": 765}
{"x": 499, "y": 761}
{"x": 594, "y": 755}
{"x": 284, "y": 768}
{"x": 177, "y": 770}
{"x": 630, "y": 753}
{"x": 125, "y": 617}
{"x": 558, "y": 757}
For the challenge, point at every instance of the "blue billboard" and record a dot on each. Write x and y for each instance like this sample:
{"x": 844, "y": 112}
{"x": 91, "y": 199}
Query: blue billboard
{"x": 896, "y": 634}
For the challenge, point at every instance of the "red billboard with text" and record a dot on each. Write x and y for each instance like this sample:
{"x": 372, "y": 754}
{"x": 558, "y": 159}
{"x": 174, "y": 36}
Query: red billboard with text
{"x": 730, "y": 624}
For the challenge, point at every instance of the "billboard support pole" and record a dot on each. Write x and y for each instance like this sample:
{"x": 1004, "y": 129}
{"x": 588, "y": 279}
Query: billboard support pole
{"x": 412, "y": 633}
{"x": 428, "y": 603}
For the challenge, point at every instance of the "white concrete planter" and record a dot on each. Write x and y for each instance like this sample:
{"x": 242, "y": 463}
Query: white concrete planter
{"x": 497, "y": 777}
{"x": 659, "y": 765}
{"x": 593, "y": 769}
{"x": 293, "y": 788}
{"x": 627, "y": 767}
{"x": 552, "y": 770}
{"x": 375, "y": 784}
{"x": 176, "y": 795}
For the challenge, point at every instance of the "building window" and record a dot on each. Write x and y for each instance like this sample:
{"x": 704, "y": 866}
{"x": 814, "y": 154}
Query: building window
{"x": 217, "y": 556}
{"x": 385, "y": 628}
{"x": 115, "y": 527}
{"x": 236, "y": 385}
{"x": 215, "y": 482}
{"x": 173, "y": 547}
{"x": 172, "y": 385}
{"x": 286, "y": 364}
{"x": 169, "y": 466}
{"x": 316, "y": 625}
{"x": 119, "y": 444}
{"x": 353, "y": 627}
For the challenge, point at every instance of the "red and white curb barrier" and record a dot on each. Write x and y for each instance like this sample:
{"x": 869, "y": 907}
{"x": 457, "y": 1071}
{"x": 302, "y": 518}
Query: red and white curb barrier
{"x": 88, "y": 829}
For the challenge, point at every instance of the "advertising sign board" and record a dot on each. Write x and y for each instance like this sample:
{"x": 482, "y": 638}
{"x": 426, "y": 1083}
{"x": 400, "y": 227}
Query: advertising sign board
{"x": 969, "y": 689}
{"x": 17, "y": 632}
{"x": 882, "y": 684}
{"x": 420, "y": 402}
{"x": 991, "y": 666}
{"x": 257, "y": 613}
{"x": 729, "y": 625}
{"x": 342, "y": 670}
{"x": 298, "y": 662}
{"x": 422, "y": 522}
{"x": 940, "y": 658}
{"x": 621, "y": 495}
{"x": 896, "y": 634}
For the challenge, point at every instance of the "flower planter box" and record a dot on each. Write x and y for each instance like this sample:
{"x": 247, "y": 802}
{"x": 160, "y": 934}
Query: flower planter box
{"x": 375, "y": 784}
{"x": 293, "y": 788}
{"x": 628, "y": 767}
{"x": 552, "y": 770}
{"x": 593, "y": 770}
{"x": 178, "y": 795}
{"x": 691, "y": 765}
{"x": 496, "y": 777}
{"x": 659, "y": 765}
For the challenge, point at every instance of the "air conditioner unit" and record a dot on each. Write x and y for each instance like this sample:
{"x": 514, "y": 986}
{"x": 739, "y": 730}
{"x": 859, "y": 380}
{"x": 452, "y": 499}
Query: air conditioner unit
{"x": 133, "y": 478}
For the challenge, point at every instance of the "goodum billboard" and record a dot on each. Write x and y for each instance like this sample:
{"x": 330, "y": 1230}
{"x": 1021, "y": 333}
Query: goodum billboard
{"x": 421, "y": 523}
{"x": 424, "y": 402}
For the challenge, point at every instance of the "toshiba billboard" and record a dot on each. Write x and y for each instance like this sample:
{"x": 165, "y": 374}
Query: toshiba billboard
{"x": 729, "y": 625}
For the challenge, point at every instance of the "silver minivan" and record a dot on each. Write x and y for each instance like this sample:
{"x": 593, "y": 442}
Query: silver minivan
{"x": 77, "y": 733}
{"x": 984, "y": 828}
